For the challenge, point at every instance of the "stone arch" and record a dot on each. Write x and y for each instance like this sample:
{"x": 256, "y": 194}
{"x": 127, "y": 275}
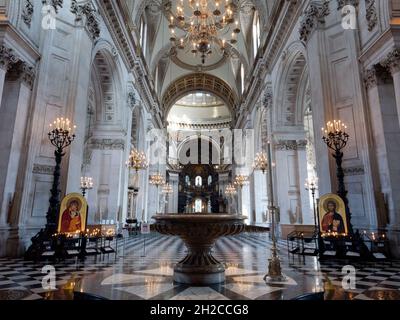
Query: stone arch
{"x": 291, "y": 84}
{"x": 106, "y": 83}
{"x": 199, "y": 82}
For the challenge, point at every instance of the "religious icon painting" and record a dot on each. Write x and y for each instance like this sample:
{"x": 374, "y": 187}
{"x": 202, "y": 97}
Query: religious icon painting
{"x": 332, "y": 215}
{"x": 73, "y": 214}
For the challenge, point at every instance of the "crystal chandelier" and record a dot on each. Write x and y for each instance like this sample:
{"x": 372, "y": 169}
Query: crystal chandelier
{"x": 230, "y": 190}
{"x": 167, "y": 189}
{"x": 260, "y": 162}
{"x": 204, "y": 24}
{"x": 157, "y": 179}
{"x": 241, "y": 180}
{"x": 137, "y": 160}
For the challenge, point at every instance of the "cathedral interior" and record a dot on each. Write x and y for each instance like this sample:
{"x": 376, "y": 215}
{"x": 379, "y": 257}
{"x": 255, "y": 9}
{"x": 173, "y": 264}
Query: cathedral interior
{"x": 172, "y": 149}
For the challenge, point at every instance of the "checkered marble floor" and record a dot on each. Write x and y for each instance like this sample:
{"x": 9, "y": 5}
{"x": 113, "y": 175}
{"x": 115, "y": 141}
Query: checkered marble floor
{"x": 143, "y": 268}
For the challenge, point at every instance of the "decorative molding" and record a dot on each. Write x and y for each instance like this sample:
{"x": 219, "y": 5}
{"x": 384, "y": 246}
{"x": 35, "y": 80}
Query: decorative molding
{"x": 268, "y": 98}
{"x": 88, "y": 12}
{"x": 354, "y": 171}
{"x": 132, "y": 100}
{"x": 7, "y": 57}
{"x": 392, "y": 61}
{"x": 312, "y": 17}
{"x": 342, "y": 3}
{"x": 27, "y": 12}
{"x": 370, "y": 78}
{"x": 27, "y": 74}
{"x": 371, "y": 14}
{"x": 54, "y": 3}
{"x": 107, "y": 144}
{"x": 43, "y": 169}
{"x": 287, "y": 145}
{"x": 199, "y": 81}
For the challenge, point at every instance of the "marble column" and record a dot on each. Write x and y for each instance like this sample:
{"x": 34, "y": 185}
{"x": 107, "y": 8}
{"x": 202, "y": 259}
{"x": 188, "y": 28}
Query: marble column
{"x": 312, "y": 34}
{"x": 383, "y": 107}
{"x": 392, "y": 62}
{"x": 14, "y": 123}
{"x": 8, "y": 115}
{"x": 78, "y": 99}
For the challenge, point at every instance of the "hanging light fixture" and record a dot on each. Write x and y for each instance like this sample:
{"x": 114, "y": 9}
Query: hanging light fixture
{"x": 241, "y": 180}
{"x": 230, "y": 190}
{"x": 260, "y": 162}
{"x": 157, "y": 179}
{"x": 167, "y": 189}
{"x": 203, "y": 21}
{"x": 137, "y": 160}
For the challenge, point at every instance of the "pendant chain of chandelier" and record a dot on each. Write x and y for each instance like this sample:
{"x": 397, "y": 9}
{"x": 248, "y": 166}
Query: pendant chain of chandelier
{"x": 204, "y": 26}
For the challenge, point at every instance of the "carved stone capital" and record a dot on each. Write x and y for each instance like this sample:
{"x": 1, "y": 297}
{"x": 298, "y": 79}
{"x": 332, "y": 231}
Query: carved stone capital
{"x": 370, "y": 78}
{"x": 87, "y": 14}
{"x": 342, "y": 3}
{"x": 313, "y": 16}
{"x": 7, "y": 57}
{"x": 392, "y": 61}
{"x": 376, "y": 75}
{"x": 56, "y": 4}
{"x": 27, "y": 74}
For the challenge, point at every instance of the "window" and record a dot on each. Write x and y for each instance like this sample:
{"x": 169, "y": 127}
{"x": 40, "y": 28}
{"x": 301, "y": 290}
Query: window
{"x": 256, "y": 33}
{"x": 143, "y": 35}
{"x": 242, "y": 76}
{"x": 198, "y": 205}
{"x": 198, "y": 181}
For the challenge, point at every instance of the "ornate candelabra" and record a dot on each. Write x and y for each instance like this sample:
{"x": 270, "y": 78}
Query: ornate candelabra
{"x": 137, "y": 160}
{"x": 86, "y": 184}
{"x": 230, "y": 192}
{"x": 166, "y": 191}
{"x": 261, "y": 162}
{"x": 241, "y": 180}
{"x": 336, "y": 138}
{"x": 157, "y": 180}
{"x": 311, "y": 184}
{"x": 61, "y": 136}
{"x": 274, "y": 273}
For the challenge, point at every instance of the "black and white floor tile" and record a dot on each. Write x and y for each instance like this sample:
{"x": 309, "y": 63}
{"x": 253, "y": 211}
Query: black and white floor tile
{"x": 143, "y": 267}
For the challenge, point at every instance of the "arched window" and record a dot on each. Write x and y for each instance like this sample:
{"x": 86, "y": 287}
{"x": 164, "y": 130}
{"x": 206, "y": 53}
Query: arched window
{"x": 143, "y": 35}
{"x": 242, "y": 77}
{"x": 198, "y": 181}
{"x": 256, "y": 33}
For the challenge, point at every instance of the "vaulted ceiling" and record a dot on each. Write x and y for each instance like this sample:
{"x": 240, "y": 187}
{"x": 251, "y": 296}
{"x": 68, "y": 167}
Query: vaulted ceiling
{"x": 168, "y": 65}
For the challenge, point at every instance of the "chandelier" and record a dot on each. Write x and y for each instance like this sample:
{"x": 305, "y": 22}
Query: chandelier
{"x": 157, "y": 179}
{"x": 241, "y": 180}
{"x": 167, "y": 189}
{"x": 230, "y": 190}
{"x": 137, "y": 160}
{"x": 261, "y": 162}
{"x": 203, "y": 23}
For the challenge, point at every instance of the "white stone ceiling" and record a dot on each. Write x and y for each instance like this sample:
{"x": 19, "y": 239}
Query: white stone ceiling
{"x": 173, "y": 65}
